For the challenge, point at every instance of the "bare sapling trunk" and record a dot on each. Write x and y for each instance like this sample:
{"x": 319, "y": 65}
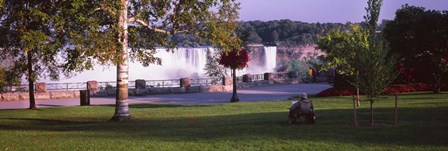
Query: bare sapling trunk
{"x": 355, "y": 118}
{"x": 121, "y": 105}
{"x": 357, "y": 97}
{"x": 437, "y": 82}
{"x": 396, "y": 110}
{"x": 357, "y": 90}
{"x": 371, "y": 112}
{"x": 31, "y": 81}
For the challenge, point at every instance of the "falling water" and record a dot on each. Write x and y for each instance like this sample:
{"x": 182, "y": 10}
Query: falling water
{"x": 270, "y": 55}
{"x": 182, "y": 62}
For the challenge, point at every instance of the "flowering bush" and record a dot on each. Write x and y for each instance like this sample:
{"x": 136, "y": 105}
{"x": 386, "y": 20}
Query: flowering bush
{"x": 405, "y": 74}
{"x": 234, "y": 59}
{"x": 334, "y": 92}
{"x": 422, "y": 86}
{"x": 412, "y": 87}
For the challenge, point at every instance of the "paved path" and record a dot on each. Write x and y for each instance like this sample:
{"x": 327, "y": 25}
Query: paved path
{"x": 264, "y": 93}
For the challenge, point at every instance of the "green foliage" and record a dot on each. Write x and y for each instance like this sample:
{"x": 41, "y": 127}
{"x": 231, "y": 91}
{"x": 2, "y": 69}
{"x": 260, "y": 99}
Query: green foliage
{"x": 31, "y": 28}
{"x": 376, "y": 69}
{"x": 373, "y": 12}
{"x": 284, "y": 32}
{"x": 300, "y": 66}
{"x": 151, "y": 24}
{"x": 373, "y": 62}
{"x": 241, "y": 126}
{"x": 248, "y": 34}
{"x": 420, "y": 38}
{"x": 341, "y": 48}
{"x": 8, "y": 77}
{"x": 362, "y": 54}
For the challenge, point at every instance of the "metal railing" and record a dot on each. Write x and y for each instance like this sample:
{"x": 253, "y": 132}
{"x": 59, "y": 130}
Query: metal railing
{"x": 257, "y": 77}
{"x": 201, "y": 81}
{"x": 149, "y": 83}
{"x": 67, "y": 86}
{"x": 19, "y": 88}
{"x": 239, "y": 79}
{"x": 281, "y": 75}
{"x": 163, "y": 83}
{"x": 106, "y": 85}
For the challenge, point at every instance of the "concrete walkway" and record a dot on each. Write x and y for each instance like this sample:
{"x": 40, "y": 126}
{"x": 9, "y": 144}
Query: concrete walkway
{"x": 264, "y": 93}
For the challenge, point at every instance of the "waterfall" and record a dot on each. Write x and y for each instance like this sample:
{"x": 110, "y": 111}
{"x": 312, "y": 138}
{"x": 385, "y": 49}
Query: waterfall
{"x": 270, "y": 55}
{"x": 183, "y": 62}
{"x": 179, "y": 63}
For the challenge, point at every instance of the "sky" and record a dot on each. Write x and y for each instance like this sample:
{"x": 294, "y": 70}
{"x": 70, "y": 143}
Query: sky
{"x": 324, "y": 11}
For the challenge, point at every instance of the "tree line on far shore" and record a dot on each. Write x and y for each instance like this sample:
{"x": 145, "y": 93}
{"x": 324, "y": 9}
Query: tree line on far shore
{"x": 277, "y": 32}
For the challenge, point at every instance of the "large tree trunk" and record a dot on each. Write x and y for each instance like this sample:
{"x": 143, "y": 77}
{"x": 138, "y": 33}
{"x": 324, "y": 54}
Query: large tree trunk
{"x": 234, "y": 94}
{"x": 121, "y": 105}
{"x": 31, "y": 81}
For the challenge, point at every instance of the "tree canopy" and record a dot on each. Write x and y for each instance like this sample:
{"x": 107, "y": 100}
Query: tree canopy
{"x": 420, "y": 37}
{"x": 276, "y": 32}
{"x": 363, "y": 55}
{"x": 115, "y": 32}
{"x": 32, "y": 39}
{"x": 286, "y": 32}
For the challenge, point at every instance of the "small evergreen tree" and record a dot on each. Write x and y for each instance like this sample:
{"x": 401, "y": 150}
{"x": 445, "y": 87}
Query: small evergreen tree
{"x": 2, "y": 80}
{"x": 214, "y": 70}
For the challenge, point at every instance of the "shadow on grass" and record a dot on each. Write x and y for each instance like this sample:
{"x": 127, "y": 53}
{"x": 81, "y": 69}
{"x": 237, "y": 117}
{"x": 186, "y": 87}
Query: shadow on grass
{"x": 151, "y": 105}
{"x": 163, "y": 105}
{"x": 417, "y": 126}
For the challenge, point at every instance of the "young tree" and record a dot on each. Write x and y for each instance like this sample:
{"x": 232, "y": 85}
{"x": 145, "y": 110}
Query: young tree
{"x": 376, "y": 70}
{"x": 30, "y": 29}
{"x": 373, "y": 12}
{"x": 342, "y": 48}
{"x": 117, "y": 31}
{"x": 236, "y": 59}
{"x": 375, "y": 65}
{"x": 362, "y": 53}
{"x": 213, "y": 69}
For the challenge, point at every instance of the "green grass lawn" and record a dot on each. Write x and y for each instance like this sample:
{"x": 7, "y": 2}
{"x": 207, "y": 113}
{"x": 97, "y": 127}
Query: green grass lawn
{"x": 423, "y": 125}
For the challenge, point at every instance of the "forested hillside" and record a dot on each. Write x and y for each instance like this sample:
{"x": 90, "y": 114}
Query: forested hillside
{"x": 284, "y": 32}
{"x": 277, "y": 32}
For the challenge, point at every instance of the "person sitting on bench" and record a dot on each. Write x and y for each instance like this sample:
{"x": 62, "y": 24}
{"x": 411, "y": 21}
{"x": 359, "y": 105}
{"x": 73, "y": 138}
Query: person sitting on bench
{"x": 303, "y": 107}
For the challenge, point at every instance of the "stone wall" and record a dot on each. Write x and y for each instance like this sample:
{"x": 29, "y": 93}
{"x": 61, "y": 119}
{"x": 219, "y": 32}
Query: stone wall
{"x": 142, "y": 90}
{"x": 40, "y": 96}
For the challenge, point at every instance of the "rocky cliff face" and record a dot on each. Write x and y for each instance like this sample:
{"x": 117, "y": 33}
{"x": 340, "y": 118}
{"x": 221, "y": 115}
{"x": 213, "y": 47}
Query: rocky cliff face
{"x": 285, "y": 54}
{"x": 303, "y": 52}
{"x": 299, "y": 53}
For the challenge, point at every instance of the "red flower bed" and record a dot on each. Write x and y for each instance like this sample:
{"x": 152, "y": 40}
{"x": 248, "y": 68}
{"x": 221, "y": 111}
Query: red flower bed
{"x": 422, "y": 87}
{"x": 412, "y": 87}
{"x": 334, "y": 92}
